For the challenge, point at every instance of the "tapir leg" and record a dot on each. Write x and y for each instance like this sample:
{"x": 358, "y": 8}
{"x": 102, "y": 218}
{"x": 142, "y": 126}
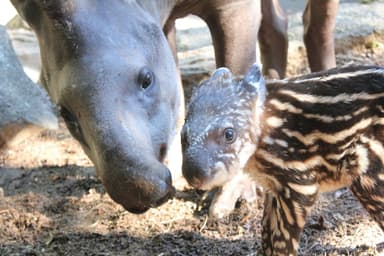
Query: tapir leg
{"x": 273, "y": 39}
{"x": 233, "y": 28}
{"x": 319, "y": 22}
{"x": 224, "y": 200}
{"x": 369, "y": 188}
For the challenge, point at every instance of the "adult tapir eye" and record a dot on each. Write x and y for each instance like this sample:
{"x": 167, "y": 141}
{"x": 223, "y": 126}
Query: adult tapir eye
{"x": 229, "y": 135}
{"x": 146, "y": 78}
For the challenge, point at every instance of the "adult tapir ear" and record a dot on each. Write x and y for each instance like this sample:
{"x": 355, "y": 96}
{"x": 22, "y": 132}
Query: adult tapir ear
{"x": 253, "y": 80}
{"x": 32, "y": 10}
{"x": 29, "y": 10}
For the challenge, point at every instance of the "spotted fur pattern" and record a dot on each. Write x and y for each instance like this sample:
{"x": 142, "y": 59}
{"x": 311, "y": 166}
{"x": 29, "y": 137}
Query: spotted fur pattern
{"x": 316, "y": 133}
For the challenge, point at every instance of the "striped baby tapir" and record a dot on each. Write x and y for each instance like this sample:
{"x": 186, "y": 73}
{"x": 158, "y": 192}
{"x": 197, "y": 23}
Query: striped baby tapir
{"x": 296, "y": 137}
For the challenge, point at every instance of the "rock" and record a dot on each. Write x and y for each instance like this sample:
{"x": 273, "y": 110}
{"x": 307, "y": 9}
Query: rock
{"x": 24, "y": 106}
{"x": 26, "y": 46}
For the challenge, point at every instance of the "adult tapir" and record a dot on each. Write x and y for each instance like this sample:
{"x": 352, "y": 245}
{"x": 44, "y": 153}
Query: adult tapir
{"x": 319, "y": 18}
{"x": 109, "y": 68}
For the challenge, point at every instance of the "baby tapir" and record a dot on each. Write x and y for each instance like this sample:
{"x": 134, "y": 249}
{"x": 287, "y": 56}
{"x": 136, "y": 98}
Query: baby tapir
{"x": 296, "y": 137}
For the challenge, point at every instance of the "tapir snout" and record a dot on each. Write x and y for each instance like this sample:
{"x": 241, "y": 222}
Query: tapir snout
{"x": 128, "y": 159}
{"x": 137, "y": 188}
{"x": 126, "y": 131}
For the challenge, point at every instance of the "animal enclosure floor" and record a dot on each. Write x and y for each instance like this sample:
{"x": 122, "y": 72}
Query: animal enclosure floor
{"x": 51, "y": 203}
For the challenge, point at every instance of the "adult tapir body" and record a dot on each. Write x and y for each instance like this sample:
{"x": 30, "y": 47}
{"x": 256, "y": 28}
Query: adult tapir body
{"x": 109, "y": 68}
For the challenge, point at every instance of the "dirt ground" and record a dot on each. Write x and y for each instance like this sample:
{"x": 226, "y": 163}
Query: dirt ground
{"x": 51, "y": 203}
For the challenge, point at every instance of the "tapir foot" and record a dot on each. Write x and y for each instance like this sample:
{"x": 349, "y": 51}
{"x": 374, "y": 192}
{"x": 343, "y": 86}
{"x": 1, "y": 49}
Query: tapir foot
{"x": 224, "y": 200}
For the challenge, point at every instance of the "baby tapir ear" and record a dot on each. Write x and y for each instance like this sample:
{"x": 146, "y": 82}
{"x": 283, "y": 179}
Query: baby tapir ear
{"x": 222, "y": 73}
{"x": 253, "y": 79}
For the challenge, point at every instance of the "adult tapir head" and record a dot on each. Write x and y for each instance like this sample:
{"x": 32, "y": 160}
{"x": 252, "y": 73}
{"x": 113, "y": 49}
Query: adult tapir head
{"x": 108, "y": 66}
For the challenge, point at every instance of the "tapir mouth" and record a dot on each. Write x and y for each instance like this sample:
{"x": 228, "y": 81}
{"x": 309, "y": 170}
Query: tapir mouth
{"x": 142, "y": 209}
{"x": 136, "y": 181}
{"x": 138, "y": 210}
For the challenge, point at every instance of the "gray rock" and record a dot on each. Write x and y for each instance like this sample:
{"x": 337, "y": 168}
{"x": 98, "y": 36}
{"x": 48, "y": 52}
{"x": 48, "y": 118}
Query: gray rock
{"x": 26, "y": 46}
{"x": 24, "y": 106}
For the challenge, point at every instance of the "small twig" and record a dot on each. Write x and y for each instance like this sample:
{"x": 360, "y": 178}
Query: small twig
{"x": 204, "y": 224}
{"x": 4, "y": 211}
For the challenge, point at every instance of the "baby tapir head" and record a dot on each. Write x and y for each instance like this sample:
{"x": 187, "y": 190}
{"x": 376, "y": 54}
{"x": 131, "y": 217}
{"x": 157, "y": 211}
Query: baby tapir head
{"x": 222, "y": 127}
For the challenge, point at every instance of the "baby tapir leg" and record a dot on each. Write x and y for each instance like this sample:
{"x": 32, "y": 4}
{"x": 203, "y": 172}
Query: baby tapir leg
{"x": 369, "y": 188}
{"x": 284, "y": 217}
{"x": 224, "y": 200}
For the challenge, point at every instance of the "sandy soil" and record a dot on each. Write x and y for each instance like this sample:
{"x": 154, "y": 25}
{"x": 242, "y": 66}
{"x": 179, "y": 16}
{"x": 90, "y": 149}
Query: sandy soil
{"x": 51, "y": 203}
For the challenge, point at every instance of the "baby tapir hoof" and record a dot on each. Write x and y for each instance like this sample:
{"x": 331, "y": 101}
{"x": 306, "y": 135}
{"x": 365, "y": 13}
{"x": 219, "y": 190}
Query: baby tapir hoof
{"x": 226, "y": 197}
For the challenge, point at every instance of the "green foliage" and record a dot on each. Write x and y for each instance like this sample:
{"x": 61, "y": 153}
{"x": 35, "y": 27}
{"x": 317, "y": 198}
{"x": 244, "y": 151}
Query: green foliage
{"x": 372, "y": 44}
{"x": 367, "y": 1}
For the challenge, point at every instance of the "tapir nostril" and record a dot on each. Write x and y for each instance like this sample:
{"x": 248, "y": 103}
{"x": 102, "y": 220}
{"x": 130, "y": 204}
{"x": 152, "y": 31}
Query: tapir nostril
{"x": 171, "y": 193}
{"x": 166, "y": 188}
{"x": 163, "y": 152}
{"x": 137, "y": 210}
{"x": 194, "y": 174}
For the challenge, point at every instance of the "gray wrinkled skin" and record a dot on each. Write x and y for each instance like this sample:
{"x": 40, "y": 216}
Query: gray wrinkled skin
{"x": 222, "y": 103}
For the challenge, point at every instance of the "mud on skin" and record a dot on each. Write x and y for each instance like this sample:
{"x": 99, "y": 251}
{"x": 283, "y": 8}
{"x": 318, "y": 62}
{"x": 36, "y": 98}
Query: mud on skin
{"x": 297, "y": 138}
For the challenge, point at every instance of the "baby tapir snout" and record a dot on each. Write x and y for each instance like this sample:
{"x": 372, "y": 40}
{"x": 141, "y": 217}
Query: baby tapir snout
{"x": 196, "y": 172}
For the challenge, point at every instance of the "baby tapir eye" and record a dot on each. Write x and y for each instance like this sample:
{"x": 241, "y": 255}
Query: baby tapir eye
{"x": 145, "y": 78}
{"x": 229, "y": 135}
